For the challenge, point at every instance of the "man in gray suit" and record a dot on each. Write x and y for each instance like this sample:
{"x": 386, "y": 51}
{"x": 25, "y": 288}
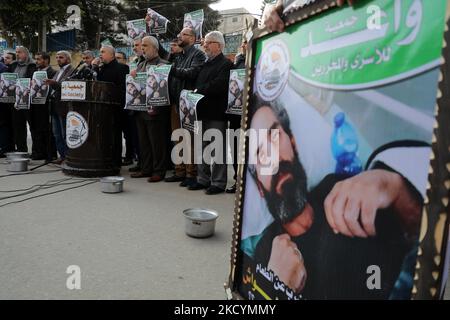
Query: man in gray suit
{"x": 59, "y": 109}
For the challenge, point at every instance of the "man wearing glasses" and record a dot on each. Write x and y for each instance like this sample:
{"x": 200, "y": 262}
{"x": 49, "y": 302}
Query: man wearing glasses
{"x": 184, "y": 73}
{"x": 212, "y": 82}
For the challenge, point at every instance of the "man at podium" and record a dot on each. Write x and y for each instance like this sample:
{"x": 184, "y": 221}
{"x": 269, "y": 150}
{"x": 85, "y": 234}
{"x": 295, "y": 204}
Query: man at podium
{"x": 110, "y": 70}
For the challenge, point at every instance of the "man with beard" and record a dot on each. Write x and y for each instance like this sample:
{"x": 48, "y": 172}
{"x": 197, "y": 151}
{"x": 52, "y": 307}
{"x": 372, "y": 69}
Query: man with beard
{"x": 24, "y": 67}
{"x": 151, "y": 123}
{"x": 323, "y": 241}
{"x": 43, "y": 144}
{"x": 183, "y": 75}
{"x": 58, "y": 107}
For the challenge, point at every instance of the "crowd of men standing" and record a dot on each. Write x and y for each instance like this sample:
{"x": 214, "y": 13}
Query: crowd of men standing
{"x": 204, "y": 70}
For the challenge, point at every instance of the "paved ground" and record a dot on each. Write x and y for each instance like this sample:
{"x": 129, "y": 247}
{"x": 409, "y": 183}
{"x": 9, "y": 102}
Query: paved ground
{"x": 128, "y": 246}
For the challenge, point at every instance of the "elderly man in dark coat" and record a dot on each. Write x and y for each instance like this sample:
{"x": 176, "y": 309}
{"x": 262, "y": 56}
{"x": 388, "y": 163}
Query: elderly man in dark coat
{"x": 24, "y": 66}
{"x": 110, "y": 70}
{"x": 212, "y": 82}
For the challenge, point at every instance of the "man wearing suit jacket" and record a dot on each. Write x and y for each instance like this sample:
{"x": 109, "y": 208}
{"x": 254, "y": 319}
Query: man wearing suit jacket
{"x": 58, "y": 108}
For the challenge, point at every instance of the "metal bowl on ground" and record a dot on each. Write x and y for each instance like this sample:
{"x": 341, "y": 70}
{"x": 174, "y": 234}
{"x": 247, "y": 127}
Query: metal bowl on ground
{"x": 17, "y": 155}
{"x": 18, "y": 165}
{"x": 200, "y": 223}
{"x": 112, "y": 184}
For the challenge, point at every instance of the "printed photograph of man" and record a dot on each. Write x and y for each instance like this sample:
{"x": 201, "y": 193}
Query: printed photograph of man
{"x": 188, "y": 114}
{"x": 321, "y": 242}
{"x": 235, "y": 93}
{"x": 22, "y": 96}
{"x": 135, "y": 95}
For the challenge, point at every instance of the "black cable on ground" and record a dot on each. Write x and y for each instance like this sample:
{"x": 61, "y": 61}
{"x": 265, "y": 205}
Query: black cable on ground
{"x": 48, "y": 183}
{"x": 46, "y": 194}
{"x": 44, "y": 187}
{"x": 28, "y": 172}
{"x": 37, "y": 185}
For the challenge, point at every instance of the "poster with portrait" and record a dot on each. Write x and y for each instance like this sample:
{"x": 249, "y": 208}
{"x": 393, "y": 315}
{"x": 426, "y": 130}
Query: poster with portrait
{"x": 344, "y": 173}
{"x": 236, "y": 91}
{"x": 135, "y": 98}
{"x": 136, "y": 28}
{"x": 8, "y": 87}
{"x": 188, "y": 110}
{"x": 39, "y": 90}
{"x": 157, "y": 85}
{"x": 156, "y": 23}
{"x": 23, "y": 94}
{"x": 194, "y": 20}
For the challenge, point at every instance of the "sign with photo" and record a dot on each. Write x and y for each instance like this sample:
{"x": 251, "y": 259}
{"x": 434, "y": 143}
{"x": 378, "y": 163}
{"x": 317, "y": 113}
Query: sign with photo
{"x": 136, "y": 28}
{"x": 8, "y": 87}
{"x": 136, "y": 92}
{"x": 340, "y": 199}
{"x": 194, "y": 20}
{"x": 236, "y": 91}
{"x": 156, "y": 23}
{"x": 188, "y": 110}
{"x": 39, "y": 90}
{"x": 157, "y": 85}
{"x": 22, "y": 94}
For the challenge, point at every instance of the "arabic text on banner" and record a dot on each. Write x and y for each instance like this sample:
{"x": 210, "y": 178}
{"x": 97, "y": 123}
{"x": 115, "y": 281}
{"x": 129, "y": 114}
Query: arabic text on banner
{"x": 157, "y": 86}
{"x": 136, "y": 92}
{"x": 23, "y": 94}
{"x": 8, "y": 87}
{"x": 188, "y": 110}
{"x": 39, "y": 90}
{"x": 236, "y": 91}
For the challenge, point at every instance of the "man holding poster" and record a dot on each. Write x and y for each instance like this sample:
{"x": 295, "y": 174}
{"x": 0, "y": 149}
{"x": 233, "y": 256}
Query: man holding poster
{"x": 43, "y": 144}
{"x": 212, "y": 82}
{"x": 151, "y": 124}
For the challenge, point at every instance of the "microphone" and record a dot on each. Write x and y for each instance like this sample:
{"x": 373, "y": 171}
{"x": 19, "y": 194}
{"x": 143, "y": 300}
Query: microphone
{"x": 79, "y": 73}
{"x": 74, "y": 70}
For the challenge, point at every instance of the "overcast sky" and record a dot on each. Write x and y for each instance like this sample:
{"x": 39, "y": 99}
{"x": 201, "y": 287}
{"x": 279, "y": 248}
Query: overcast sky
{"x": 253, "y": 6}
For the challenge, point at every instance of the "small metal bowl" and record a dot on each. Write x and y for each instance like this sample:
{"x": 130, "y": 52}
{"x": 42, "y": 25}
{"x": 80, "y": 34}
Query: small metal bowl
{"x": 18, "y": 165}
{"x": 17, "y": 155}
{"x": 112, "y": 184}
{"x": 200, "y": 223}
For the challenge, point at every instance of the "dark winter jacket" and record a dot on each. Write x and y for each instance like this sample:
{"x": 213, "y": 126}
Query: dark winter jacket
{"x": 212, "y": 82}
{"x": 185, "y": 71}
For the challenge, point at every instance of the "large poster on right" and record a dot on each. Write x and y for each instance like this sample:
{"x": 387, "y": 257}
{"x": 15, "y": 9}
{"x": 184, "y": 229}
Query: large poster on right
{"x": 348, "y": 103}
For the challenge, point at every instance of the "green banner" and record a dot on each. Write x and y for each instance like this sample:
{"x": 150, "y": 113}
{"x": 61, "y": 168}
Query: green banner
{"x": 365, "y": 46}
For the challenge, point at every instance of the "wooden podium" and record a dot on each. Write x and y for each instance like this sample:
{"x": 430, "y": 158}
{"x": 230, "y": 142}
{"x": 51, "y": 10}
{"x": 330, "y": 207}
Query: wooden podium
{"x": 90, "y": 127}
